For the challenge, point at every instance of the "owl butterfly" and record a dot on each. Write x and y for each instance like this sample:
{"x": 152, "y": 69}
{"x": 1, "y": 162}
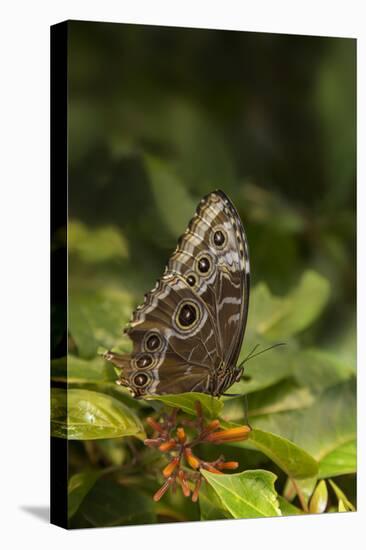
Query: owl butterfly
{"x": 188, "y": 333}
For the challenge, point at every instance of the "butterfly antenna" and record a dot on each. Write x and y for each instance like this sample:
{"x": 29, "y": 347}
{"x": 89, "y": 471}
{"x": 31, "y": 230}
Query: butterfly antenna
{"x": 249, "y": 355}
{"x": 252, "y": 354}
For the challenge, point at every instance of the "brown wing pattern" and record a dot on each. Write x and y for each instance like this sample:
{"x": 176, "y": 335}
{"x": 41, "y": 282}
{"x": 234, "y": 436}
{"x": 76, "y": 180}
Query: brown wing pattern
{"x": 224, "y": 288}
{"x": 188, "y": 333}
{"x": 173, "y": 342}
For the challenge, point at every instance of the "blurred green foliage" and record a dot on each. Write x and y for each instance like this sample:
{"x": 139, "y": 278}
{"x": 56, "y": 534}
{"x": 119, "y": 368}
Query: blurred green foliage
{"x": 158, "y": 117}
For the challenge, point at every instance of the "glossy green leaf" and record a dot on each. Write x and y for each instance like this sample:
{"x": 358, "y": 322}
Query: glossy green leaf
{"x": 343, "y": 501}
{"x": 85, "y": 414}
{"x": 319, "y": 499}
{"x": 293, "y": 460}
{"x": 109, "y": 504}
{"x": 250, "y": 494}
{"x": 97, "y": 319}
{"x": 211, "y": 406}
{"x": 341, "y": 460}
{"x": 79, "y": 486}
{"x": 279, "y": 318}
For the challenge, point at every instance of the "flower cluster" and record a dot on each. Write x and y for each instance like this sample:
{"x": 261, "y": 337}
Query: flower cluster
{"x": 184, "y": 467}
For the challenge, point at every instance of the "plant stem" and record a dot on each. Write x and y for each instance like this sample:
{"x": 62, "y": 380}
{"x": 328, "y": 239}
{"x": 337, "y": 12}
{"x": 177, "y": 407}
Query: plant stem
{"x": 300, "y": 495}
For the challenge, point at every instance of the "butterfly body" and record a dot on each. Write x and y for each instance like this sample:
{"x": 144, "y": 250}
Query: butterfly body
{"x": 188, "y": 333}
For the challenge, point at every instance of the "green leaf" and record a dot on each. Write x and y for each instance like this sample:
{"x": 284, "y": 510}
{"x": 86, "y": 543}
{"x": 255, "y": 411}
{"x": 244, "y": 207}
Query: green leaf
{"x": 307, "y": 373}
{"x": 263, "y": 306}
{"x": 320, "y": 428}
{"x": 250, "y": 494}
{"x": 211, "y": 406}
{"x": 341, "y": 460}
{"x": 319, "y": 500}
{"x": 97, "y": 318}
{"x": 346, "y": 504}
{"x": 171, "y": 198}
{"x": 293, "y": 460}
{"x": 109, "y": 504}
{"x": 80, "y": 371}
{"x": 78, "y": 487}
{"x": 278, "y": 318}
{"x": 342, "y": 507}
{"x": 284, "y": 396}
{"x": 330, "y": 422}
{"x": 211, "y": 507}
{"x": 319, "y": 369}
{"x": 288, "y": 509}
{"x": 85, "y": 414}
{"x": 96, "y": 245}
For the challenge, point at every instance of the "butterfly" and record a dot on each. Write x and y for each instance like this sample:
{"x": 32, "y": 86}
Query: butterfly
{"x": 188, "y": 333}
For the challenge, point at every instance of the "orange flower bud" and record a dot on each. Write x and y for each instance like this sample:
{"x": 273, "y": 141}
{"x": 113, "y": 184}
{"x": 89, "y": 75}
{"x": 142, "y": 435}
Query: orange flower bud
{"x": 163, "y": 489}
{"x": 185, "y": 487}
{"x": 239, "y": 433}
{"x": 169, "y": 469}
{"x": 212, "y": 425}
{"x": 181, "y": 434}
{"x": 210, "y": 468}
{"x": 228, "y": 465}
{"x": 192, "y": 460}
{"x": 155, "y": 425}
{"x": 167, "y": 445}
{"x": 196, "y": 489}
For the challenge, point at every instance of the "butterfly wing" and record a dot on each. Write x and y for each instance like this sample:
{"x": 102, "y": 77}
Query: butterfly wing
{"x": 171, "y": 334}
{"x": 188, "y": 333}
{"x": 213, "y": 256}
